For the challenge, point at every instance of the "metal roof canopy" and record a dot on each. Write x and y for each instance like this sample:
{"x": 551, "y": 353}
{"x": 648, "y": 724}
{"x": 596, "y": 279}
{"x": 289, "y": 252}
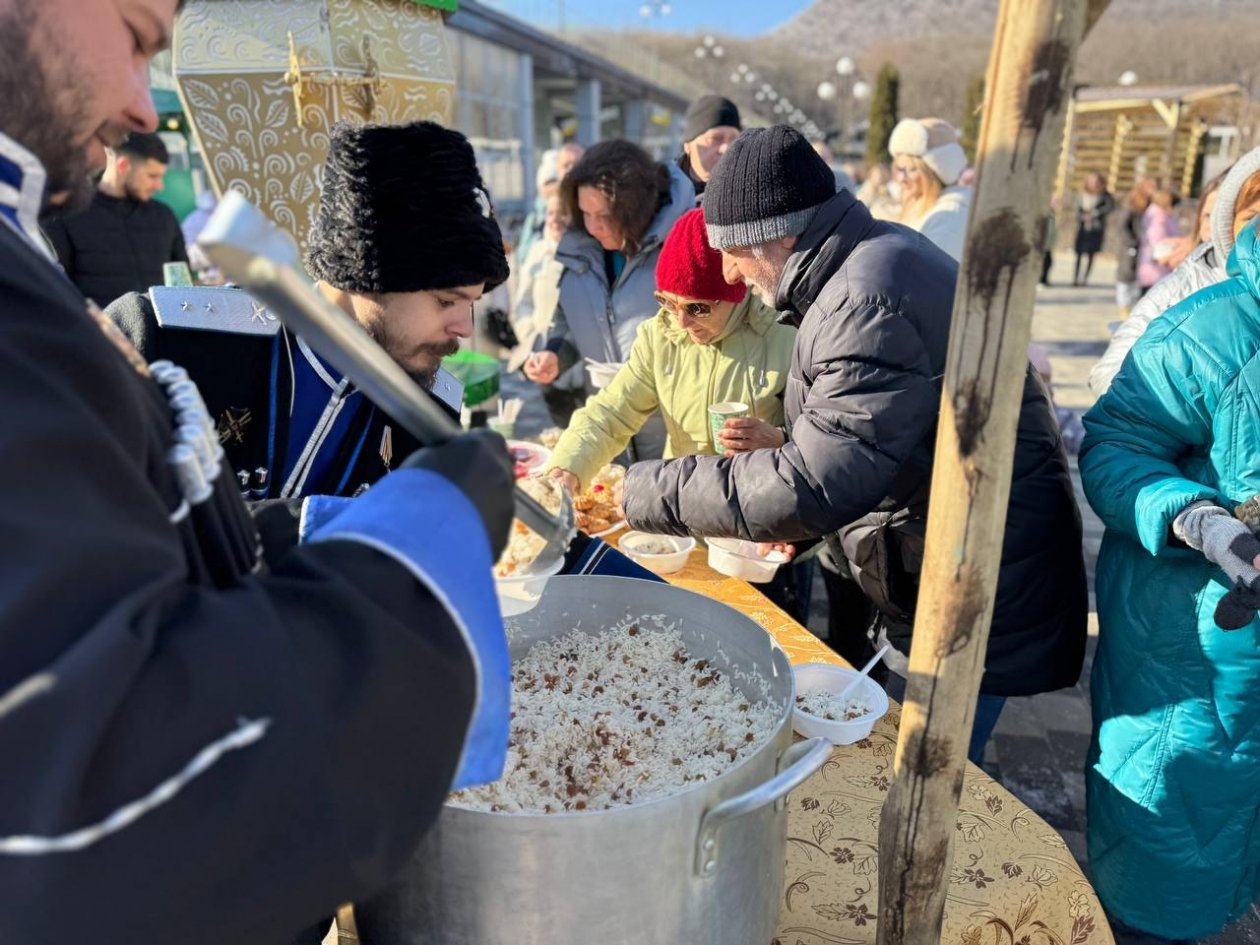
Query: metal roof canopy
{"x": 1160, "y": 98}
{"x": 1123, "y": 132}
{"x": 554, "y": 57}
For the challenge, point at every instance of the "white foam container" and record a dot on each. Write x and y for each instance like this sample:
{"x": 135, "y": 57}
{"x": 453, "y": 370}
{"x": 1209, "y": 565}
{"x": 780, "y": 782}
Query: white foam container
{"x": 737, "y": 558}
{"x": 519, "y": 595}
{"x": 602, "y": 372}
{"x": 657, "y": 563}
{"x": 812, "y": 677}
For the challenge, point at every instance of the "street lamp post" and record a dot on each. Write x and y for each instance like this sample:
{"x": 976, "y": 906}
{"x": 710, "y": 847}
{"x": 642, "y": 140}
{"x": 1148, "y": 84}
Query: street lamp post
{"x": 861, "y": 93}
{"x": 846, "y": 69}
{"x": 828, "y": 92}
{"x": 711, "y": 51}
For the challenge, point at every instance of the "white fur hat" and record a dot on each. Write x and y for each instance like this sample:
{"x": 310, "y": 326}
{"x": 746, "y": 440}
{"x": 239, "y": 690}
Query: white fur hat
{"x": 548, "y": 169}
{"x": 934, "y": 140}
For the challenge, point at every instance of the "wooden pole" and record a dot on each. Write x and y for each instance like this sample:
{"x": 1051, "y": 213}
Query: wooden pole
{"x": 1121, "y": 133}
{"x": 1029, "y": 88}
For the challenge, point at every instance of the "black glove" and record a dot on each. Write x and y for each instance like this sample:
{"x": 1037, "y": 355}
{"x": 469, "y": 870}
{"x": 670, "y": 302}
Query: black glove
{"x": 1230, "y": 545}
{"x": 481, "y": 466}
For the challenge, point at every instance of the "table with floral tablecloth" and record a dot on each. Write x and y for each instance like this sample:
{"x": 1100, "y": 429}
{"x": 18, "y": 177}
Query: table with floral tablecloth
{"x": 1013, "y": 881}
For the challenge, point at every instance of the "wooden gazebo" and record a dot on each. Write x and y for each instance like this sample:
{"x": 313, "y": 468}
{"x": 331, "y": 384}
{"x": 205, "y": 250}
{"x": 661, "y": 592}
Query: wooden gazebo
{"x": 1124, "y": 132}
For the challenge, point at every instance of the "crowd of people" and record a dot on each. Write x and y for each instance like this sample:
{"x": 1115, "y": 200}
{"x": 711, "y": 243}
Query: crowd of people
{"x": 266, "y": 679}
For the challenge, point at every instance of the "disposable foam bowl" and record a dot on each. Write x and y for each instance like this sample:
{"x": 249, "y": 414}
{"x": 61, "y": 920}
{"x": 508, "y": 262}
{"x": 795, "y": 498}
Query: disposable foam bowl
{"x": 632, "y": 545}
{"x": 602, "y": 374}
{"x": 520, "y": 594}
{"x": 737, "y": 558}
{"x": 812, "y": 677}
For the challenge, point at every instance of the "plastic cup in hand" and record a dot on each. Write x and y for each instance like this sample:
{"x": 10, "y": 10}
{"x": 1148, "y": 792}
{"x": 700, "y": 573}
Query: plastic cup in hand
{"x": 719, "y": 414}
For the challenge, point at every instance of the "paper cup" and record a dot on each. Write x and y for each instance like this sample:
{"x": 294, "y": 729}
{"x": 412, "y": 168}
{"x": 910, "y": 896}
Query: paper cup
{"x": 176, "y": 273}
{"x": 718, "y": 415}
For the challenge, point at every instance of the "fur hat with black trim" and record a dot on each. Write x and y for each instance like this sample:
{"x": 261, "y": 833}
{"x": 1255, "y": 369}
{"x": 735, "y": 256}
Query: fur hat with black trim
{"x": 404, "y": 209}
{"x": 936, "y": 141}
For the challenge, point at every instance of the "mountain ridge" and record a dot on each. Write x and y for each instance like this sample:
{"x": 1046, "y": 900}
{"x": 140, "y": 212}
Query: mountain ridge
{"x": 865, "y": 24}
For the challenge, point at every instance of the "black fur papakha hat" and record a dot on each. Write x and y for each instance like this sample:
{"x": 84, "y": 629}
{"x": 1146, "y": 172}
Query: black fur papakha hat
{"x": 404, "y": 209}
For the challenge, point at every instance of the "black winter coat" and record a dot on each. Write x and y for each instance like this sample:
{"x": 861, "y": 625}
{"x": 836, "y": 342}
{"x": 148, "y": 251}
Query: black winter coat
{"x": 117, "y": 245}
{"x": 872, "y": 302}
{"x": 1132, "y": 229}
{"x": 121, "y": 663}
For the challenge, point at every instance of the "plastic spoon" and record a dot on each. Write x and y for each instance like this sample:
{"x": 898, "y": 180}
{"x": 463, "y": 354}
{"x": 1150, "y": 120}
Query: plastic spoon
{"x": 864, "y": 673}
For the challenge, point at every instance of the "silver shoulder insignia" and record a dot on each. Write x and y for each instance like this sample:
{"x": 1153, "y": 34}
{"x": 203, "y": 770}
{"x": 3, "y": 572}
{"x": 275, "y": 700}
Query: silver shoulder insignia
{"x": 212, "y": 308}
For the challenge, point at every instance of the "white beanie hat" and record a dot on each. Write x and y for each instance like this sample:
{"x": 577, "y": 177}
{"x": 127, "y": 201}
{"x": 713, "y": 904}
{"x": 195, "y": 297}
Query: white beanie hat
{"x": 934, "y": 140}
{"x": 1227, "y": 204}
{"x": 548, "y": 169}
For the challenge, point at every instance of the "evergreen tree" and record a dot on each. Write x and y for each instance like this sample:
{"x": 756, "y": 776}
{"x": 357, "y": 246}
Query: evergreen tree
{"x": 972, "y": 113}
{"x": 884, "y": 115}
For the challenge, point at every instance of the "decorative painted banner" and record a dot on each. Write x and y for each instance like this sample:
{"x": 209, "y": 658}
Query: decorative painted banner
{"x": 263, "y": 81}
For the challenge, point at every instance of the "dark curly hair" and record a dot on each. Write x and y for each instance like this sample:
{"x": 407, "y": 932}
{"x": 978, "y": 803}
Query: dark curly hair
{"x": 635, "y": 185}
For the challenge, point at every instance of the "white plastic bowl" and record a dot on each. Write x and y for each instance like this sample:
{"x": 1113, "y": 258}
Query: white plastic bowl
{"x": 602, "y": 372}
{"x": 519, "y": 595}
{"x": 739, "y": 559}
{"x": 632, "y": 543}
{"x": 811, "y": 677}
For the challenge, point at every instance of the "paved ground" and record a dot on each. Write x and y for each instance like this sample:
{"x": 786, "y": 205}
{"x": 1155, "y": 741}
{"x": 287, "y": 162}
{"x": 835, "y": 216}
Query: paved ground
{"x": 1038, "y": 749}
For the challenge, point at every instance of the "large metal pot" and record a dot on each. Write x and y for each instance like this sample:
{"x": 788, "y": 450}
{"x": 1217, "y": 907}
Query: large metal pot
{"x": 705, "y": 865}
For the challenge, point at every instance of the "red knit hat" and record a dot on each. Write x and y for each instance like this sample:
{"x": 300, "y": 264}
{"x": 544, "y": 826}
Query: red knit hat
{"x": 688, "y": 266}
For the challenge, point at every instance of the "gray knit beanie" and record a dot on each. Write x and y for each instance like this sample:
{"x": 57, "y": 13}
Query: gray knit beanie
{"x": 1226, "y": 200}
{"x": 768, "y": 186}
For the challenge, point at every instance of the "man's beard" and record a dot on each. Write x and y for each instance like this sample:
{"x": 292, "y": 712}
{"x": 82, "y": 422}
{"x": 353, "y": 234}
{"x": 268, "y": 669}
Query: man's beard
{"x": 133, "y": 192}
{"x": 45, "y": 122}
{"x": 424, "y": 376}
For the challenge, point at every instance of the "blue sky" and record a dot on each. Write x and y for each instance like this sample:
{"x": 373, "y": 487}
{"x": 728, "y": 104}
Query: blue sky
{"x": 740, "y": 17}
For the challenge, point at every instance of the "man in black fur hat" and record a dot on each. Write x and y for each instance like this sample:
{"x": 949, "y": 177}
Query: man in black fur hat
{"x": 405, "y": 242}
{"x": 203, "y": 744}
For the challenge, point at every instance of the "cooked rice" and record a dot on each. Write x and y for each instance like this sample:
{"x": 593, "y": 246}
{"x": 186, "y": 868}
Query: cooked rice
{"x": 617, "y": 718}
{"x": 825, "y": 705}
{"x": 524, "y": 544}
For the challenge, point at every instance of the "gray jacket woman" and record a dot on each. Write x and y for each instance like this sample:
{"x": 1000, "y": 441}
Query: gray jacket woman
{"x": 1204, "y": 266}
{"x": 622, "y": 204}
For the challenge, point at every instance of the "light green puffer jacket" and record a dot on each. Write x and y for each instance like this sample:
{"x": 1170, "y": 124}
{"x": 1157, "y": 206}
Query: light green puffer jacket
{"x": 666, "y": 370}
{"x": 1174, "y": 770}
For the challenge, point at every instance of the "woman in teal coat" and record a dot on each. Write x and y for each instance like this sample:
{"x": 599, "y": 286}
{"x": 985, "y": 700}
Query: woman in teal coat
{"x": 1174, "y": 768}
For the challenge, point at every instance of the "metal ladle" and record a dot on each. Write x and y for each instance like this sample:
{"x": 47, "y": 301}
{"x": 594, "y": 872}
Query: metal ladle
{"x": 254, "y": 254}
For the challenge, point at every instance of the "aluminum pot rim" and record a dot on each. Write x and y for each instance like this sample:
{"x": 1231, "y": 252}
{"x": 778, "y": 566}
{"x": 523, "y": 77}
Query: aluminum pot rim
{"x": 785, "y": 721}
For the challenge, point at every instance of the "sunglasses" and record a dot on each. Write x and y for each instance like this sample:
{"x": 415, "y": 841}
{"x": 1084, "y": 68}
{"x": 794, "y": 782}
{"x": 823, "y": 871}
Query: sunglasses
{"x": 904, "y": 170}
{"x": 690, "y": 309}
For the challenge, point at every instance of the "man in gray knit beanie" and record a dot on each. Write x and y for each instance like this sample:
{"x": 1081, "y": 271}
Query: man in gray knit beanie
{"x": 761, "y": 197}
{"x": 872, "y": 303}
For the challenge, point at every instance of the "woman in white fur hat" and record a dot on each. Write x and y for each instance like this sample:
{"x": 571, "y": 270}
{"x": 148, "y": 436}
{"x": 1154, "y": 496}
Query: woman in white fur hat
{"x": 927, "y": 162}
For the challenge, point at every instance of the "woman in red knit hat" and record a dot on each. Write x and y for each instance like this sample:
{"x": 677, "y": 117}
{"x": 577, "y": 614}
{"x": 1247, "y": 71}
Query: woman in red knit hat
{"x": 711, "y": 342}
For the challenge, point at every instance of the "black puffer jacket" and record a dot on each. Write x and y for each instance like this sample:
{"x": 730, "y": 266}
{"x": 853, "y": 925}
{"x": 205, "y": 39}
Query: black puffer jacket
{"x": 872, "y": 302}
{"x": 117, "y": 245}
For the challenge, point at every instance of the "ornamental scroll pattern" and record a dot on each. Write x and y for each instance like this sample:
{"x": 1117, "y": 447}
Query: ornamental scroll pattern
{"x": 230, "y": 60}
{"x": 1013, "y": 880}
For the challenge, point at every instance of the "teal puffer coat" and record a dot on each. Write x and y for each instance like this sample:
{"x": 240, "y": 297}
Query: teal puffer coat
{"x": 1174, "y": 769}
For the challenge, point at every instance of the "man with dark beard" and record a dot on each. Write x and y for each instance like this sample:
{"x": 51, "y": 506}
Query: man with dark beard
{"x": 202, "y": 743}
{"x": 122, "y": 241}
{"x": 404, "y": 242}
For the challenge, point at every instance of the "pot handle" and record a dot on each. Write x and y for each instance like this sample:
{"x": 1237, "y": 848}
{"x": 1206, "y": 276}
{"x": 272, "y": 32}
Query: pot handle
{"x": 798, "y": 763}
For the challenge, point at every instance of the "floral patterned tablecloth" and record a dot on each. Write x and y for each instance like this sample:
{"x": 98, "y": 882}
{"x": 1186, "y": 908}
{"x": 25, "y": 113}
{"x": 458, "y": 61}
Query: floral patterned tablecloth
{"x": 1013, "y": 881}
